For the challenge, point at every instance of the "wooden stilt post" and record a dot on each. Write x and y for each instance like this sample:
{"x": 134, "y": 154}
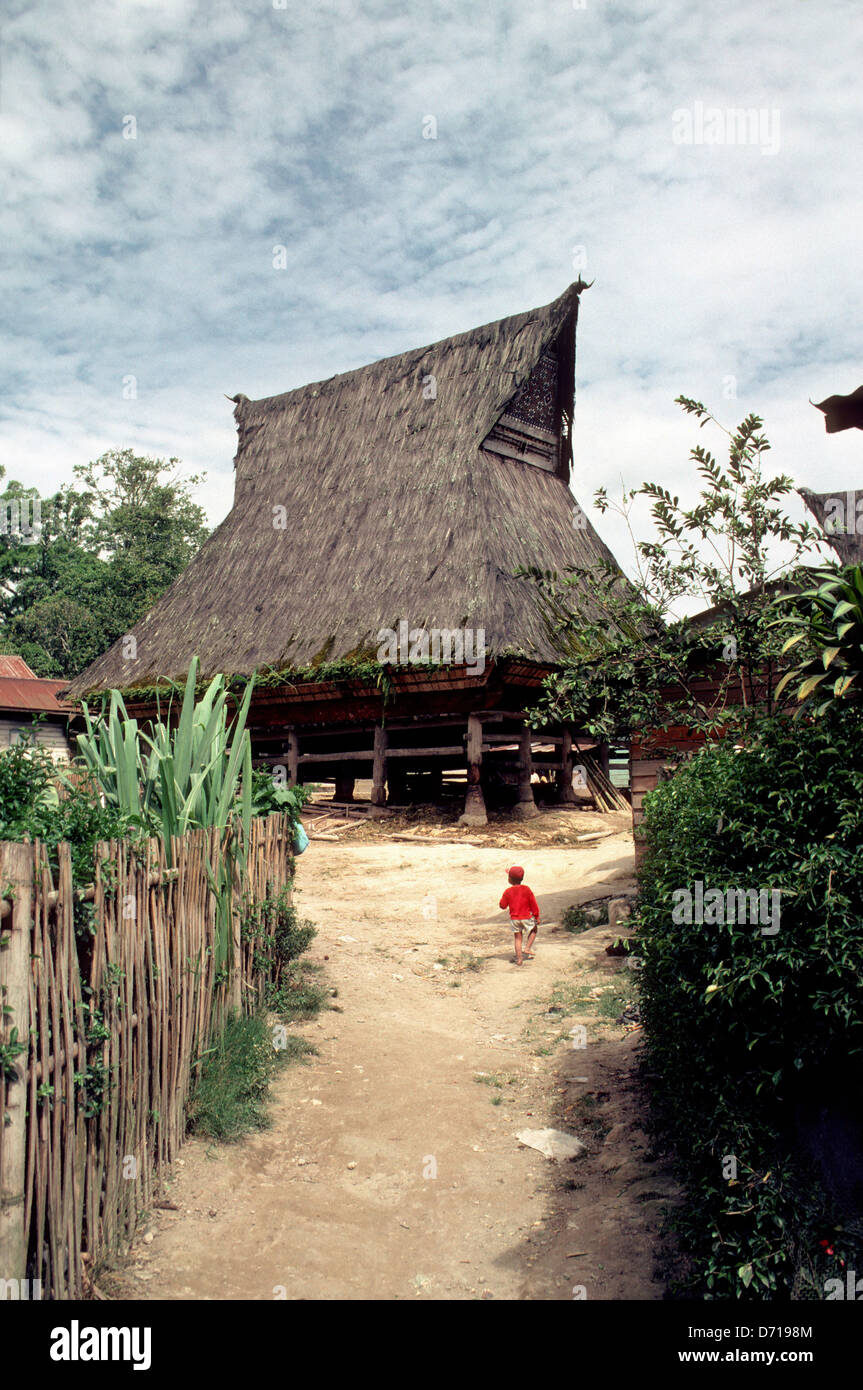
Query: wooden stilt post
{"x": 379, "y": 771}
{"x": 565, "y": 794}
{"x": 436, "y": 783}
{"x": 293, "y": 756}
{"x": 602, "y": 759}
{"x": 525, "y": 808}
{"x": 344, "y": 785}
{"x": 474, "y": 802}
{"x": 16, "y": 870}
{"x": 397, "y": 783}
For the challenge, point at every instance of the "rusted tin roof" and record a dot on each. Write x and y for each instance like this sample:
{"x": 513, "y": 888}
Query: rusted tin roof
{"x": 16, "y": 667}
{"x": 33, "y": 694}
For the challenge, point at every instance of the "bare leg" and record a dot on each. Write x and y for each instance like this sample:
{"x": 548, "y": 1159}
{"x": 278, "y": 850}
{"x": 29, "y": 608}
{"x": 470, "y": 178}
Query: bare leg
{"x": 528, "y": 950}
{"x": 516, "y": 936}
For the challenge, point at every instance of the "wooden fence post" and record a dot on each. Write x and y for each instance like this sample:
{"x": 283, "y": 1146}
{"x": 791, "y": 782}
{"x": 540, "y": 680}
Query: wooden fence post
{"x": 238, "y": 884}
{"x": 16, "y": 873}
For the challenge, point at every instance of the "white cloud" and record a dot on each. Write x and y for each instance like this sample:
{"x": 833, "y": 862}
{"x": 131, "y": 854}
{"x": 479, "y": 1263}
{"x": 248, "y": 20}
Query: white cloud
{"x": 303, "y": 127}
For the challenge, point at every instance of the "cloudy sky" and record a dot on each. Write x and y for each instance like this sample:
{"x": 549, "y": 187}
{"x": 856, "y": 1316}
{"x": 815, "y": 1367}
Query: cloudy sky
{"x": 156, "y": 151}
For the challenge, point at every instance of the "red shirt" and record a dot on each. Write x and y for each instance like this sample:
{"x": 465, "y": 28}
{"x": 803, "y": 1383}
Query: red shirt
{"x": 521, "y": 902}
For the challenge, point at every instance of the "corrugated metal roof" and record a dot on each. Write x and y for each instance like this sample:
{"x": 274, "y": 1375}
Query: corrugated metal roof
{"x": 16, "y": 667}
{"x": 33, "y": 694}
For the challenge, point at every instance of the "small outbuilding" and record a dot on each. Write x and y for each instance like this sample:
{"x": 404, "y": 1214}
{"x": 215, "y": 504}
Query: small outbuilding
{"x": 30, "y": 704}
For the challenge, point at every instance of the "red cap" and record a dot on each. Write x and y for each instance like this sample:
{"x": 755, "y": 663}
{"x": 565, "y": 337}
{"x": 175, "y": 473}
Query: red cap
{"x": 517, "y": 870}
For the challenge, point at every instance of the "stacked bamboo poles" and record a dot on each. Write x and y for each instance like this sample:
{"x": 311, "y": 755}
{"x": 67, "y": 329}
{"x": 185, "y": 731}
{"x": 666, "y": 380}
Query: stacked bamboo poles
{"x": 604, "y": 792}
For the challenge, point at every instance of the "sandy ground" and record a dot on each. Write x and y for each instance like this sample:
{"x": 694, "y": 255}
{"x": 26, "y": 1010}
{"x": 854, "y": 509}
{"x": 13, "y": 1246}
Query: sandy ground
{"x": 392, "y": 1170}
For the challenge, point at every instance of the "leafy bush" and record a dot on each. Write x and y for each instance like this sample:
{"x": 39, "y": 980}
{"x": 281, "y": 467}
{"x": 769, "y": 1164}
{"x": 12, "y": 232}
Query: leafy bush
{"x": 627, "y": 656}
{"x": 755, "y": 1037}
{"x": 829, "y": 620}
{"x": 38, "y": 802}
{"x": 280, "y": 939}
{"x": 273, "y": 924}
{"x": 268, "y": 796}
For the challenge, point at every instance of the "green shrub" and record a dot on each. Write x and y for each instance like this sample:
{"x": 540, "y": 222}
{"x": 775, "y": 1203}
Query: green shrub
{"x": 268, "y": 795}
{"x": 32, "y": 807}
{"x": 575, "y": 920}
{"x": 298, "y": 995}
{"x": 280, "y": 940}
{"x": 749, "y": 1031}
{"x": 273, "y": 925}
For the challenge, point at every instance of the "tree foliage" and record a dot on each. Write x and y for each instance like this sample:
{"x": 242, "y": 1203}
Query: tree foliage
{"x": 108, "y": 546}
{"x": 39, "y": 801}
{"x": 828, "y": 621}
{"x": 623, "y": 648}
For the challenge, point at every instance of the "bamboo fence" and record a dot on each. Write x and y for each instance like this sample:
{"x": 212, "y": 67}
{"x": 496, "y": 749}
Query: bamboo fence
{"x": 113, "y": 992}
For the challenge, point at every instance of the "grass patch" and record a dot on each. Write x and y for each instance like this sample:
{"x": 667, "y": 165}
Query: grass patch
{"x": 300, "y": 993}
{"x": 295, "y": 1049}
{"x": 229, "y": 1097}
{"x": 231, "y": 1080}
{"x": 583, "y": 1114}
{"x": 570, "y": 998}
{"x": 468, "y": 961}
{"x": 574, "y": 999}
{"x": 615, "y": 999}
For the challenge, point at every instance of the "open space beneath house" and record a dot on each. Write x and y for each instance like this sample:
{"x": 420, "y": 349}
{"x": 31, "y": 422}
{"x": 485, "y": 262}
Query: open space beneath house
{"x": 438, "y": 1052}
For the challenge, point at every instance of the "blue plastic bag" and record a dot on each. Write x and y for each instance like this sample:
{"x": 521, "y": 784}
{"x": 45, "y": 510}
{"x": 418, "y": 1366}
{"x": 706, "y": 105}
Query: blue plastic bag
{"x": 301, "y": 839}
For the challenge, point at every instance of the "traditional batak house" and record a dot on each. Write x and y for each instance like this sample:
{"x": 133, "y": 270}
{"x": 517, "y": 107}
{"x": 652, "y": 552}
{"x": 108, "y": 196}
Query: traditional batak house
{"x": 367, "y": 569}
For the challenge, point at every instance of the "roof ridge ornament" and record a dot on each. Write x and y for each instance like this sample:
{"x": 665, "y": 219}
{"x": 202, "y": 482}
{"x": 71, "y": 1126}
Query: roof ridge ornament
{"x": 842, "y": 412}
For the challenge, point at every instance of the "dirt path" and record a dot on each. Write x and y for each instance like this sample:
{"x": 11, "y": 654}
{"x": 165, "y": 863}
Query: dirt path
{"x": 392, "y": 1170}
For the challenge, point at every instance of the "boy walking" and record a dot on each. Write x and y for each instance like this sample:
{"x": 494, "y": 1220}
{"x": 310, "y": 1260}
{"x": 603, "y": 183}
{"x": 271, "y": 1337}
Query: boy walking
{"x": 523, "y": 911}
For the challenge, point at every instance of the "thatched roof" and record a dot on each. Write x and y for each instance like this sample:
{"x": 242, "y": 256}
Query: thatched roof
{"x": 393, "y": 512}
{"x": 837, "y": 514}
{"x": 842, "y": 412}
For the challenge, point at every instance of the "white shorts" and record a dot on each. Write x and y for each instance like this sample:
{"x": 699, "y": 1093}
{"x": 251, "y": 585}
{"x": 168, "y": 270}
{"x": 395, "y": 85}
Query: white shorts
{"x": 523, "y": 923}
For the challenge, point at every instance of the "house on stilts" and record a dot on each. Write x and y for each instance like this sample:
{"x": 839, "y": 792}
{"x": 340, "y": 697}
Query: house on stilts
{"x": 367, "y": 570}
